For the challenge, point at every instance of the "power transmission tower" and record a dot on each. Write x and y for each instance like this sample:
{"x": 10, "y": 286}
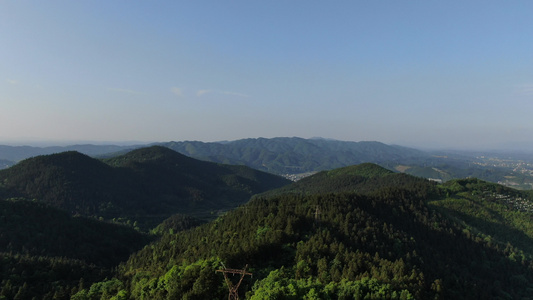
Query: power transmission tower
{"x": 233, "y": 289}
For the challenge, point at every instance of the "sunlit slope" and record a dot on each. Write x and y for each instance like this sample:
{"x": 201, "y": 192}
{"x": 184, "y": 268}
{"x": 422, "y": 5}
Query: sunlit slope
{"x": 335, "y": 243}
{"x": 499, "y": 215}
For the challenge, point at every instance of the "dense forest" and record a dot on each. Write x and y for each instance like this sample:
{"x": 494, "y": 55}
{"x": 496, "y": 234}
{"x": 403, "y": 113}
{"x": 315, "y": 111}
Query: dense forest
{"x": 359, "y": 232}
{"x": 386, "y": 242}
{"x": 142, "y": 187}
{"x": 45, "y": 251}
{"x": 297, "y": 157}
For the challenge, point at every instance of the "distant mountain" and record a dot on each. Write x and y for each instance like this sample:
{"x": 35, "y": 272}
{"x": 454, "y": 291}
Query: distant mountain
{"x": 146, "y": 185}
{"x": 18, "y": 153}
{"x": 295, "y": 155}
{"x": 300, "y": 157}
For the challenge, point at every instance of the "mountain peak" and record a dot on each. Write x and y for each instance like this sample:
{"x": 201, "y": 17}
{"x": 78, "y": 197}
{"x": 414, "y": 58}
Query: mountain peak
{"x": 153, "y": 151}
{"x": 367, "y": 170}
{"x": 66, "y": 160}
{"x": 156, "y": 154}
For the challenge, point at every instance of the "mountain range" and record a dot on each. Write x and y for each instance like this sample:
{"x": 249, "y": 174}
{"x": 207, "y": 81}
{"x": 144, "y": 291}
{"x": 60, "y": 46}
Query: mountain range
{"x": 295, "y": 155}
{"x": 356, "y": 232}
{"x": 295, "y": 158}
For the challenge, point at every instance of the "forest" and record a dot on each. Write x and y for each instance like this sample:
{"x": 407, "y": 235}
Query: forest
{"x": 358, "y": 232}
{"x": 142, "y": 187}
{"x": 294, "y": 156}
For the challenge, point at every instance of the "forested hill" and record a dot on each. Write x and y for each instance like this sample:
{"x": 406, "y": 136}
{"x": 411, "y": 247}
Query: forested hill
{"x": 295, "y": 155}
{"x": 362, "y": 179}
{"x": 401, "y": 237}
{"x": 36, "y": 229}
{"x": 276, "y": 155}
{"x": 47, "y": 254}
{"x": 145, "y": 185}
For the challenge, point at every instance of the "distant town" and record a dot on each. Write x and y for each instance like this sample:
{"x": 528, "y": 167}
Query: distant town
{"x": 296, "y": 177}
{"x": 521, "y": 166}
{"x": 517, "y": 203}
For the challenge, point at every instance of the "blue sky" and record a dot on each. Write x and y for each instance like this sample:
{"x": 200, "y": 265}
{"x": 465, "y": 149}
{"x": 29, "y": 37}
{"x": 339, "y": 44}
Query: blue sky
{"x": 451, "y": 74}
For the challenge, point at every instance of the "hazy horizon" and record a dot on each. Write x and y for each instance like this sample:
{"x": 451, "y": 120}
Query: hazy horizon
{"x": 512, "y": 148}
{"x": 453, "y": 75}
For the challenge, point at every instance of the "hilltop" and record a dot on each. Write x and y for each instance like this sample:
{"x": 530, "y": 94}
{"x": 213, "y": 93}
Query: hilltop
{"x": 362, "y": 179}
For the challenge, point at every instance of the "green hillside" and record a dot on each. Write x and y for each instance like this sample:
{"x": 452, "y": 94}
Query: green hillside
{"x": 49, "y": 250}
{"x": 390, "y": 241}
{"x": 176, "y": 223}
{"x": 358, "y": 232}
{"x": 44, "y": 251}
{"x": 498, "y": 214}
{"x": 145, "y": 186}
{"x": 36, "y": 229}
{"x": 361, "y": 179}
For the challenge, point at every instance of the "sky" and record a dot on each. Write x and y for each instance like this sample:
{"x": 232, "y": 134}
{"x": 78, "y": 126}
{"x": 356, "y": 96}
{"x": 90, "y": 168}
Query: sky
{"x": 429, "y": 74}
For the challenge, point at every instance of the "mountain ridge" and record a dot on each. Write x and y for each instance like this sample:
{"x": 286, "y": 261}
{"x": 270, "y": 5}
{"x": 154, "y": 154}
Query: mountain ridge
{"x": 294, "y": 157}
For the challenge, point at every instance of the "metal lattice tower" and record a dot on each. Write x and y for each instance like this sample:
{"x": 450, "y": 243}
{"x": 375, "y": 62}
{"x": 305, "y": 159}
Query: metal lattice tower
{"x": 233, "y": 289}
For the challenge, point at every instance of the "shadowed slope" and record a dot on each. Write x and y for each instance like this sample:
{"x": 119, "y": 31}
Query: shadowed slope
{"x": 146, "y": 185}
